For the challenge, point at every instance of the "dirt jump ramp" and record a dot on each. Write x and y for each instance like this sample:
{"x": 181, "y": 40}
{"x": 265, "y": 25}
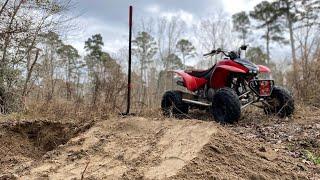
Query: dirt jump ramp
{"x": 140, "y": 148}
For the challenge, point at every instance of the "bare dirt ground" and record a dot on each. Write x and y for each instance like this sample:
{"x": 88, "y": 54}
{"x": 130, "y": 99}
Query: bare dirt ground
{"x": 157, "y": 148}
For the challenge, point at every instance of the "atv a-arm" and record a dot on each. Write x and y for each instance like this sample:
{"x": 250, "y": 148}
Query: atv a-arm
{"x": 251, "y": 95}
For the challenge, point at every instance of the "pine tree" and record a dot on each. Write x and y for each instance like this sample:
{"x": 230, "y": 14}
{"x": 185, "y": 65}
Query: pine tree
{"x": 241, "y": 24}
{"x": 94, "y": 60}
{"x": 256, "y": 55}
{"x": 145, "y": 48}
{"x": 186, "y": 49}
{"x": 52, "y": 42}
{"x": 266, "y": 13}
{"x": 70, "y": 56}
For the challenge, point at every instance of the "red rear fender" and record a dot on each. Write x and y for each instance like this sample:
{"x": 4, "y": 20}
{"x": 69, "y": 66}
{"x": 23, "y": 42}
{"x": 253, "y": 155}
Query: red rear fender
{"x": 192, "y": 83}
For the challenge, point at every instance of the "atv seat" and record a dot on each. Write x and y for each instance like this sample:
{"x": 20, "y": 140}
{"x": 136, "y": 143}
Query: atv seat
{"x": 201, "y": 73}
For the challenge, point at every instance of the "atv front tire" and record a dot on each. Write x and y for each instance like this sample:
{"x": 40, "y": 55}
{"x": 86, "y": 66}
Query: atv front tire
{"x": 281, "y": 103}
{"x": 226, "y": 106}
{"x": 172, "y": 104}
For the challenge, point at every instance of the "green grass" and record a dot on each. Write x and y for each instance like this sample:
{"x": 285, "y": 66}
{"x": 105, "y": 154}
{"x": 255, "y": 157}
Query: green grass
{"x": 311, "y": 157}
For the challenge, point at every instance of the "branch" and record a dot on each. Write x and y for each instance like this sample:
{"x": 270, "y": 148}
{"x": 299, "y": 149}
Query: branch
{"x": 4, "y": 5}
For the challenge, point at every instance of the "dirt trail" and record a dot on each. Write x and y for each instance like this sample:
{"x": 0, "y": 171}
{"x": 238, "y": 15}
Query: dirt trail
{"x": 140, "y": 148}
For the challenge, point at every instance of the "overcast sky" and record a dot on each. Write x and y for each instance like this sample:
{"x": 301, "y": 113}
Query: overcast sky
{"x": 110, "y": 17}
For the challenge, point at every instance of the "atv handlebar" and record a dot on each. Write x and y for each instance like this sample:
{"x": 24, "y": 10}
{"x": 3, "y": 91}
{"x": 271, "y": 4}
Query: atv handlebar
{"x": 230, "y": 54}
{"x": 210, "y": 53}
{"x": 217, "y": 51}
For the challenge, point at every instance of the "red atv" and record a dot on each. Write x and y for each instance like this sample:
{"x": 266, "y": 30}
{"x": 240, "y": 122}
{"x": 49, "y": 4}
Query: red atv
{"x": 227, "y": 87}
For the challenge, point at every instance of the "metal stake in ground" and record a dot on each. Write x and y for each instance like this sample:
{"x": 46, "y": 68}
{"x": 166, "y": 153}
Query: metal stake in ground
{"x": 129, "y": 64}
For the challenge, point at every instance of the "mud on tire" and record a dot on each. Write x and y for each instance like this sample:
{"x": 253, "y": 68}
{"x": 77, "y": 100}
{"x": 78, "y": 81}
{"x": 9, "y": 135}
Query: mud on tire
{"x": 172, "y": 104}
{"x": 226, "y": 106}
{"x": 281, "y": 103}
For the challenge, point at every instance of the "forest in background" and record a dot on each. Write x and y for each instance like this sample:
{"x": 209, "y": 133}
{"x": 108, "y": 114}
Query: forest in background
{"x": 38, "y": 70}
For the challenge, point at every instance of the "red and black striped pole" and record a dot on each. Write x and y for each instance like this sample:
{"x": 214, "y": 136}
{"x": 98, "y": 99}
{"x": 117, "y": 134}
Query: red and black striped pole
{"x": 129, "y": 64}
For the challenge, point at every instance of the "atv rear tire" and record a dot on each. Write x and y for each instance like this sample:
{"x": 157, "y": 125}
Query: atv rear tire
{"x": 172, "y": 104}
{"x": 281, "y": 103}
{"x": 226, "y": 106}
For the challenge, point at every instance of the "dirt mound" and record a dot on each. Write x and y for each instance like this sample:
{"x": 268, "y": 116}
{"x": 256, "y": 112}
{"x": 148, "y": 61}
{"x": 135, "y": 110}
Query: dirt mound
{"x": 140, "y": 148}
{"x": 27, "y": 141}
{"x": 231, "y": 157}
{"x": 126, "y": 148}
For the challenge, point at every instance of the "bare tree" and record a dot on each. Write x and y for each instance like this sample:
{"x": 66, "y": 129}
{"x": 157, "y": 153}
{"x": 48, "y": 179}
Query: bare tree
{"x": 214, "y": 32}
{"x": 169, "y": 32}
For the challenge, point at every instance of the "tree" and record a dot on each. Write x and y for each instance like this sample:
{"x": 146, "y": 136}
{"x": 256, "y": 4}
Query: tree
{"x": 212, "y": 33}
{"x": 241, "y": 24}
{"x": 165, "y": 76}
{"x": 168, "y": 34}
{"x": 70, "y": 56}
{"x": 144, "y": 47}
{"x": 186, "y": 49}
{"x": 287, "y": 8}
{"x": 30, "y": 67}
{"x": 52, "y": 43}
{"x": 94, "y": 46}
{"x": 22, "y": 23}
{"x": 266, "y": 13}
{"x": 175, "y": 62}
{"x": 93, "y": 60}
{"x": 307, "y": 36}
{"x": 256, "y": 55}
{"x": 104, "y": 71}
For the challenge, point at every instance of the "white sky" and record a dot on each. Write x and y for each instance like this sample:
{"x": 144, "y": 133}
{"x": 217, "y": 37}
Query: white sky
{"x": 110, "y": 18}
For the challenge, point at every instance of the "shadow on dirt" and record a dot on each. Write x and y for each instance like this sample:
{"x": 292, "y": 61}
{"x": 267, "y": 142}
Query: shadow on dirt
{"x": 27, "y": 141}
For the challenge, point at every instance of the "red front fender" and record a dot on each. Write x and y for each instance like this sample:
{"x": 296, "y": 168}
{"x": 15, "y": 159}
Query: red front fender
{"x": 221, "y": 72}
{"x": 263, "y": 69}
{"x": 232, "y": 68}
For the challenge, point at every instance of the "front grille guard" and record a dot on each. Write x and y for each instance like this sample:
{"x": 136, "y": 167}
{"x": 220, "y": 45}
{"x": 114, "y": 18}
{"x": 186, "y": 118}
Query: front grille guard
{"x": 256, "y": 87}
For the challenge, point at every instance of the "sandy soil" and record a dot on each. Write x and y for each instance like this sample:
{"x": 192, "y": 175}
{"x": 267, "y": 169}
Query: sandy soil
{"x": 151, "y": 148}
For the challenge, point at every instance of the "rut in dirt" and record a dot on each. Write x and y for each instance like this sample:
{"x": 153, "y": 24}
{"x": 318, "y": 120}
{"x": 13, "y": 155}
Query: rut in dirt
{"x": 28, "y": 141}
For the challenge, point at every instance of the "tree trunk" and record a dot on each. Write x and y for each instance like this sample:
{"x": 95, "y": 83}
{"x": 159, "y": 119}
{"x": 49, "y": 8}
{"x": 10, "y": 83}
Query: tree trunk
{"x": 68, "y": 83}
{"x": 141, "y": 80}
{"x": 293, "y": 50}
{"x": 268, "y": 44}
{"x": 184, "y": 60}
{"x": 29, "y": 73}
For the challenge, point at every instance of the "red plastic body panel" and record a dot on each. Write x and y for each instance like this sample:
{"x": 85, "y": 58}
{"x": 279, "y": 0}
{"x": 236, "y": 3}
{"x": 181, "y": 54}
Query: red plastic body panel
{"x": 192, "y": 83}
{"x": 263, "y": 69}
{"x": 219, "y": 76}
{"x": 222, "y": 70}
